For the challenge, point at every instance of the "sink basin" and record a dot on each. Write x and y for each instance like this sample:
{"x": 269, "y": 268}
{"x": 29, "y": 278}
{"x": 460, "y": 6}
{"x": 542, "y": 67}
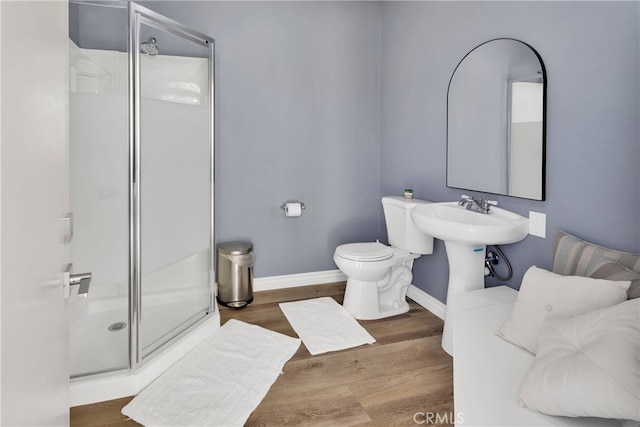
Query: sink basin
{"x": 450, "y": 222}
{"x": 466, "y": 235}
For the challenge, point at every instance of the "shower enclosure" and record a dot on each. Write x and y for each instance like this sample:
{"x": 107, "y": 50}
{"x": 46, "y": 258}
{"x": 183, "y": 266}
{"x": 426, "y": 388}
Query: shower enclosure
{"x": 141, "y": 171}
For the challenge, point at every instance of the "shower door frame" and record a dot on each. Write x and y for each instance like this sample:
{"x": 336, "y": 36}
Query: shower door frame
{"x": 139, "y": 15}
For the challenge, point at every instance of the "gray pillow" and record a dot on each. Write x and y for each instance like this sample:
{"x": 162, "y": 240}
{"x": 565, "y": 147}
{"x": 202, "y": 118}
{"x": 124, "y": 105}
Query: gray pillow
{"x": 576, "y": 257}
{"x": 608, "y": 269}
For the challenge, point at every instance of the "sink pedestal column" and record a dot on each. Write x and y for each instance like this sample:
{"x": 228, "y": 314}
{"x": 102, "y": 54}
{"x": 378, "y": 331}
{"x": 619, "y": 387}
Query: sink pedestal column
{"x": 466, "y": 273}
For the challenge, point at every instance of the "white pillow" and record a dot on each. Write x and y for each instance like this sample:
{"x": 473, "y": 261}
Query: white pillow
{"x": 588, "y": 365}
{"x": 544, "y": 295}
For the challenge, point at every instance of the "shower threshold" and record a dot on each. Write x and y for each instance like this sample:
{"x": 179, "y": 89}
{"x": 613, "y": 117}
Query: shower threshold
{"x": 122, "y": 383}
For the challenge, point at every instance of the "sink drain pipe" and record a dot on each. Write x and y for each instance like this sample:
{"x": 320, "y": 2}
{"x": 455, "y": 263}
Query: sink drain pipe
{"x": 493, "y": 259}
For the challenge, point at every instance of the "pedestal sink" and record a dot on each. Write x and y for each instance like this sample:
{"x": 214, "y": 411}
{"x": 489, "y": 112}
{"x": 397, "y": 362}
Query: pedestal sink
{"x": 466, "y": 235}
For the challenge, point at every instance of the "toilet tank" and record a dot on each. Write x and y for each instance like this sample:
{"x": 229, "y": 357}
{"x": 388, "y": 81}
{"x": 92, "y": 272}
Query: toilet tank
{"x": 402, "y": 232}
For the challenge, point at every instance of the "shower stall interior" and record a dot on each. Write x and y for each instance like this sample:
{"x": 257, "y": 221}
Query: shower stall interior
{"x": 141, "y": 171}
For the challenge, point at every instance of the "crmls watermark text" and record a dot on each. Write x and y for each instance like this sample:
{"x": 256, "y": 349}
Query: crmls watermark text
{"x": 438, "y": 418}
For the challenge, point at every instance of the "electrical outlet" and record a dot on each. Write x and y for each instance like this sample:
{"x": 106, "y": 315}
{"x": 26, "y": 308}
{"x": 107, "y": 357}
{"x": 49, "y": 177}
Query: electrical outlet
{"x": 538, "y": 224}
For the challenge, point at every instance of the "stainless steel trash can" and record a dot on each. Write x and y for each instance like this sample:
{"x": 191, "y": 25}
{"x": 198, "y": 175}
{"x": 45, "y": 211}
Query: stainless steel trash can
{"x": 235, "y": 274}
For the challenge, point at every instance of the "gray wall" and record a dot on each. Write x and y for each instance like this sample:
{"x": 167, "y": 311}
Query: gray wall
{"x": 311, "y": 96}
{"x": 590, "y": 52}
{"x": 297, "y": 107}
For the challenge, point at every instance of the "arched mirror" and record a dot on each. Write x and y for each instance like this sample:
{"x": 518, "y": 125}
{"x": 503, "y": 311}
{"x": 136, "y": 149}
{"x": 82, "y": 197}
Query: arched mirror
{"x": 496, "y": 121}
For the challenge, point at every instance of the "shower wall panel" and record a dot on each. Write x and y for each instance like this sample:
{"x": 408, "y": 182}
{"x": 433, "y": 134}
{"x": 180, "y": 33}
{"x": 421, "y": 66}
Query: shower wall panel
{"x": 99, "y": 166}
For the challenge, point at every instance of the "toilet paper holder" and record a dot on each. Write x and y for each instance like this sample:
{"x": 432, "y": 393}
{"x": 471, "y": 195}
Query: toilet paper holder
{"x": 283, "y": 206}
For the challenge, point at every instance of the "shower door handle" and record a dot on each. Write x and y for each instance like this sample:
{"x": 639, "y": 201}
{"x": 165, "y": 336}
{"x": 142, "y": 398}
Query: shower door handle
{"x": 82, "y": 279}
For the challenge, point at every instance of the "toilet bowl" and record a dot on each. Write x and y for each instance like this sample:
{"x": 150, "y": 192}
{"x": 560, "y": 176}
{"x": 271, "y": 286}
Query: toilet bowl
{"x": 378, "y": 275}
{"x": 378, "y": 278}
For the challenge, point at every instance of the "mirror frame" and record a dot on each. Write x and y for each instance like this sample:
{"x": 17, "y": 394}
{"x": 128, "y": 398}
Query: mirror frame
{"x": 544, "y": 121}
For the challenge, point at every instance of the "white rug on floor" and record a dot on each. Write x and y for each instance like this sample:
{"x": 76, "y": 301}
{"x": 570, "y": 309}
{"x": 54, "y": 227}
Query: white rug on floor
{"x": 324, "y": 325}
{"x": 219, "y": 383}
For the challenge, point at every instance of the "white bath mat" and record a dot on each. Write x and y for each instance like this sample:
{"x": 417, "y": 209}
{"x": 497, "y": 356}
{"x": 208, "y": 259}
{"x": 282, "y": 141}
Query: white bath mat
{"x": 324, "y": 325}
{"x": 219, "y": 383}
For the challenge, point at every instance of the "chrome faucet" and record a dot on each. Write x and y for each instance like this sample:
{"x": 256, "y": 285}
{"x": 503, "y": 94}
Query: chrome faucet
{"x": 476, "y": 205}
{"x": 467, "y": 201}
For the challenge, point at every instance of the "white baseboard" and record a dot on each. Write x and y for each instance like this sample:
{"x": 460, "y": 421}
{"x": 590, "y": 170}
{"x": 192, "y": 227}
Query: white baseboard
{"x": 427, "y": 301}
{"x": 294, "y": 280}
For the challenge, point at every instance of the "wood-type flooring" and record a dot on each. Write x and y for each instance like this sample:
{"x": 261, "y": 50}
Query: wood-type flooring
{"x": 404, "y": 379}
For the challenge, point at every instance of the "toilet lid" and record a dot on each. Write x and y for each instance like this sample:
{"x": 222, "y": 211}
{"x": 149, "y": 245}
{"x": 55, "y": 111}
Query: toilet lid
{"x": 373, "y": 251}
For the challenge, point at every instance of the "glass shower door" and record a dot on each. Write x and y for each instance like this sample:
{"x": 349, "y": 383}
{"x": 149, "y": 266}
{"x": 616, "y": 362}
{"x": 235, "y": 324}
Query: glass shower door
{"x": 99, "y": 184}
{"x": 174, "y": 165}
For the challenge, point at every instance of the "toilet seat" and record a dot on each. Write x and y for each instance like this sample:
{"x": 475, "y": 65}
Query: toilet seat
{"x": 371, "y": 251}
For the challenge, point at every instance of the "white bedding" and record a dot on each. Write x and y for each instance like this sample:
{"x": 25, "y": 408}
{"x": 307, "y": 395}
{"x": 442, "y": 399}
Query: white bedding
{"x": 488, "y": 371}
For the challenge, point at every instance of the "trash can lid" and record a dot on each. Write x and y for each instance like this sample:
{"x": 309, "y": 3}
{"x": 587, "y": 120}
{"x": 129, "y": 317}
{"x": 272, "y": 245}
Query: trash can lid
{"x": 235, "y": 248}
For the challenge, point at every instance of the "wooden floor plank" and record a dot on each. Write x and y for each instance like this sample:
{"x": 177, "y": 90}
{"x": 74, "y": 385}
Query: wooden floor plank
{"x": 397, "y": 398}
{"x": 330, "y": 406}
{"x": 102, "y": 414}
{"x": 417, "y": 323}
{"x": 359, "y": 364}
{"x": 300, "y": 292}
{"x": 382, "y": 384}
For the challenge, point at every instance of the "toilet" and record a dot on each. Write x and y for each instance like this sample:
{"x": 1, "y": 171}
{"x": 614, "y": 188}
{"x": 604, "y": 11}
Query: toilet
{"x": 378, "y": 275}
